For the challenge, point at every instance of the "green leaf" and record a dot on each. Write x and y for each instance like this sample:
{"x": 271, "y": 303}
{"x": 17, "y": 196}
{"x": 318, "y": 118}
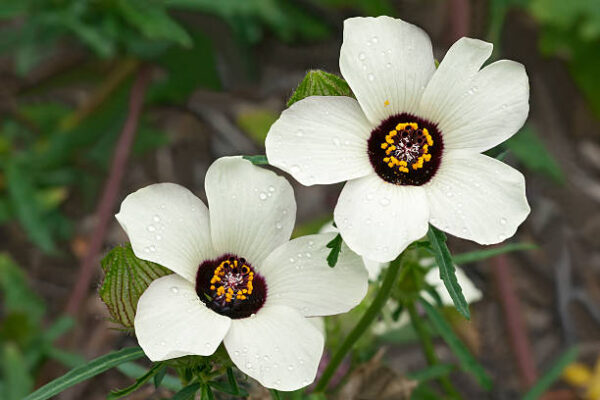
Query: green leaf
{"x": 17, "y": 380}
{"x": 22, "y": 194}
{"x": 466, "y": 360}
{"x": 275, "y": 394}
{"x": 529, "y": 150}
{"x": 17, "y": 296}
{"x": 159, "y": 377}
{"x": 152, "y": 20}
{"x": 552, "y": 375}
{"x": 186, "y": 70}
{"x": 257, "y": 160}
{"x": 207, "y": 393}
{"x": 320, "y": 83}
{"x": 478, "y": 255}
{"x": 431, "y": 373}
{"x": 336, "y": 247}
{"x": 126, "y": 277}
{"x": 221, "y": 387}
{"x": 187, "y": 393}
{"x": 134, "y": 370}
{"x": 87, "y": 371}
{"x": 444, "y": 261}
{"x": 156, "y": 368}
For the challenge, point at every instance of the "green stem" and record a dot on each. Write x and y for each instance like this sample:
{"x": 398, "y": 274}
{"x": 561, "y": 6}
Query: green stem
{"x": 428, "y": 349}
{"x": 362, "y": 325}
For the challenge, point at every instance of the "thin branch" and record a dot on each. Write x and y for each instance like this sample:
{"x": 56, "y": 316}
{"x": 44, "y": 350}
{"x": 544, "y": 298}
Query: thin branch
{"x": 513, "y": 320}
{"x": 104, "y": 212}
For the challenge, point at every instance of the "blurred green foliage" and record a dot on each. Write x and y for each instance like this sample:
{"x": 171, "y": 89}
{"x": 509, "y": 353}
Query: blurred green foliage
{"x": 24, "y": 342}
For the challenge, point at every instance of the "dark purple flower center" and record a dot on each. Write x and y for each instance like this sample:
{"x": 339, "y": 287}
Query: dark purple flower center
{"x": 229, "y": 286}
{"x": 405, "y": 150}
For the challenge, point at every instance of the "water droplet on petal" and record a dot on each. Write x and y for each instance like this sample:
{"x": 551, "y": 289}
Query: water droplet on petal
{"x": 374, "y": 39}
{"x": 292, "y": 260}
{"x": 278, "y": 225}
{"x": 151, "y": 228}
{"x": 290, "y": 367}
{"x": 271, "y": 189}
{"x": 175, "y": 289}
{"x": 361, "y": 56}
{"x": 295, "y": 169}
{"x": 384, "y": 202}
{"x": 336, "y": 141}
{"x": 299, "y": 133}
{"x": 503, "y": 221}
{"x": 371, "y": 77}
{"x": 156, "y": 218}
{"x": 262, "y": 196}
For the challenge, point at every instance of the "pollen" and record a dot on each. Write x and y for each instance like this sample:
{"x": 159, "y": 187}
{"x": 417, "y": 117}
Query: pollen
{"x": 234, "y": 278}
{"x": 407, "y": 147}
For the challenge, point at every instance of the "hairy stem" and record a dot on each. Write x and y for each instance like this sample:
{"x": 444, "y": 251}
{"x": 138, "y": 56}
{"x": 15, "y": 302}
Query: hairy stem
{"x": 362, "y": 325}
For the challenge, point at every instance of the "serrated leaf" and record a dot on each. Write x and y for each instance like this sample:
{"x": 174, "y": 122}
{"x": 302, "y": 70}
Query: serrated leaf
{"x": 126, "y": 278}
{"x": 466, "y": 360}
{"x": 443, "y": 258}
{"x": 257, "y": 160}
{"x": 336, "y": 247}
{"x": 320, "y": 83}
{"x": 87, "y": 371}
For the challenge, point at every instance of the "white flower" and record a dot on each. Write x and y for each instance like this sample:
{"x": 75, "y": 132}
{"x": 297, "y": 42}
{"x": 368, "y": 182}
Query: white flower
{"x": 238, "y": 278}
{"x": 410, "y": 145}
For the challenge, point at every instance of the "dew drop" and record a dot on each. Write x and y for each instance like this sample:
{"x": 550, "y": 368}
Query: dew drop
{"x": 370, "y": 196}
{"x": 207, "y": 345}
{"x": 163, "y": 206}
{"x": 384, "y": 202}
{"x": 374, "y": 39}
{"x": 311, "y": 243}
{"x": 156, "y": 218}
{"x": 278, "y": 225}
{"x": 388, "y": 65}
{"x": 371, "y": 77}
{"x": 292, "y": 260}
{"x": 361, "y": 56}
{"x": 151, "y": 228}
{"x": 249, "y": 365}
{"x": 503, "y": 221}
{"x": 236, "y": 353}
{"x": 504, "y": 106}
{"x": 175, "y": 289}
{"x": 158, "y": 237}
{"x": 295, "y": 169}
{"x": 271, "y": 189}
{"x": 163, "y": 343}
{"x": 336, "y": 141}
{"x": 290, "y": 367}
{"x": 262, "y": 196}
{"x": 308, "y": 255}
{"x": 299, "y": 133}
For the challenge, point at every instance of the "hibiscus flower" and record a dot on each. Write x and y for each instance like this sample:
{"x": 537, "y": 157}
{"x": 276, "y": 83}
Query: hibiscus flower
{"x": 238, "y": 279}
{"x": 409, "y": 145}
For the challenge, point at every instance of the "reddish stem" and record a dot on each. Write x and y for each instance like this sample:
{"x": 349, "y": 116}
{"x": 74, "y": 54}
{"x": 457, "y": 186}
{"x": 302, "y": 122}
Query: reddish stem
{"x": 104, "y": 212}
{"x": 513, "y": 320}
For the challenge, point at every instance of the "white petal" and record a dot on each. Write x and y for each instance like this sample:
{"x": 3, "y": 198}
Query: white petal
{"x": 168, "y": 225}
{"x": 171, "y": 321}
{"x": 378, "y": 220}
{"x": 476, "y": 110}
{"x": 298, "y": 276}
{"x": 373, "y": 267}
{"x": 321, "y": 140}
{"x": 470, "y": 291}
{"x": 277, "y": 347}
{"x": 252, "y": 210}
{"x": 387, "y": 63}
{"x": 476, "y": 197}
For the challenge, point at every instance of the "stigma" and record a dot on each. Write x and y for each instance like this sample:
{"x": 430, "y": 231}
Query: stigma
{"x": 405, "y": 150}
{"x": 230, "y": 286}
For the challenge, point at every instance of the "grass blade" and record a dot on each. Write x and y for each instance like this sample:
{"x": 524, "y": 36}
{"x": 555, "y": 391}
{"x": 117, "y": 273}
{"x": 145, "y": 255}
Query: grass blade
{"x": 87, "y": 371}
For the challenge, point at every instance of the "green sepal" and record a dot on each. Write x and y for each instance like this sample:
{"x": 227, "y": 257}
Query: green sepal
{"x": 126, "y": 277}
{"x": 320, "y": 83}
